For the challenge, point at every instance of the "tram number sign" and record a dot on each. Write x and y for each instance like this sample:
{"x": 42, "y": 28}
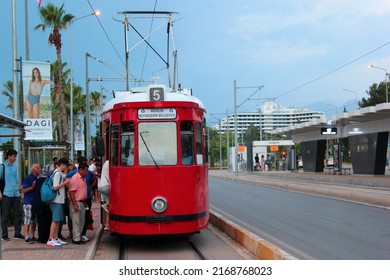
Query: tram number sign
{"x": 156, "y": 94}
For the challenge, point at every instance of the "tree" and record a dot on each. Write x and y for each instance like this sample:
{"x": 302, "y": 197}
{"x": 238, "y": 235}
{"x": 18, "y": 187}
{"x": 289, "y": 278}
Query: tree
{"x": 97, "y": 105}
{"x": 377, "y": 95}
{"x": 8, "y": 92}
{"x": 56, "y": 19}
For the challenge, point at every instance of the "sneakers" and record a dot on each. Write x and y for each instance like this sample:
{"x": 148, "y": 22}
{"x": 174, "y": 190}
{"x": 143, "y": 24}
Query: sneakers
{"x": 29, "y": 240}
{"x": 19, "y": 236}
{"x": 62, "y": 242}
{"x": 84, "y": 238}
{"x": 5, "y": 238}
{"x": 53, "y": 243}
{"x": 34, "y": 239}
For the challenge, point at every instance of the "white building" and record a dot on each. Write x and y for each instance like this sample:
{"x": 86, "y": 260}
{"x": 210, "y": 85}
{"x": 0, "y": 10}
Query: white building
{"x": 273, "y": 116}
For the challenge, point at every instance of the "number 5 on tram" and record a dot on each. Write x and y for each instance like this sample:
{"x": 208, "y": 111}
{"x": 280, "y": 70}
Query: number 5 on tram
{"x": 154, "y": 139}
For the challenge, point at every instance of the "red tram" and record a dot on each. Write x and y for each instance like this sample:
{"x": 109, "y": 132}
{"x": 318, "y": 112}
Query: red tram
{"x": 154, "y": 139}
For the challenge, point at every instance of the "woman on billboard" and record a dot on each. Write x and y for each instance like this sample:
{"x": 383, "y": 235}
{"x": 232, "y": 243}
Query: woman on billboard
{"x": 32, "y": 101}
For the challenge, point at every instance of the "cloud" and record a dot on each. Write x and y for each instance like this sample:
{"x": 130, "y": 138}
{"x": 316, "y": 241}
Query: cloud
{"x": 280, "y": 51}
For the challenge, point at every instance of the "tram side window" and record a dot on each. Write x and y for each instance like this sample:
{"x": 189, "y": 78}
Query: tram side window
{"x": 114, "y": 138}
{"x": 187, "y": 142}
{"x": 127, "y": 144}
{"x": 199, "y": 142}
{"x": 157, "y": 142}
{"x": 206, "y": 148}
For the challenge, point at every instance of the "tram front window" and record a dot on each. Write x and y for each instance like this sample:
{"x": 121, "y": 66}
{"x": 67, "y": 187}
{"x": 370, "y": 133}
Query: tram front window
{"x": 157, "y": 143}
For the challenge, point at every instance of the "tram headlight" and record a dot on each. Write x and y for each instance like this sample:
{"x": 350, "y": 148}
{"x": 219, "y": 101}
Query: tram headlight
{"x": 159, "y": 204}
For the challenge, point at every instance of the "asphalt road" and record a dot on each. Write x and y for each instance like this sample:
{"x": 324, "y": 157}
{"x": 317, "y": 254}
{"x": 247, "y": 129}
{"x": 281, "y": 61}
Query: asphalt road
{"x": 306, "y": 226}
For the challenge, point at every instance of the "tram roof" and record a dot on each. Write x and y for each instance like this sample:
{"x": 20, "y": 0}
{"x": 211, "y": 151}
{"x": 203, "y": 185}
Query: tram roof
{"x": 140, "y": 94}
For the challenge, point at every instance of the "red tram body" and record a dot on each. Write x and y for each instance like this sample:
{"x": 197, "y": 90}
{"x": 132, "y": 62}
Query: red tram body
{"x": 155, "y": 142}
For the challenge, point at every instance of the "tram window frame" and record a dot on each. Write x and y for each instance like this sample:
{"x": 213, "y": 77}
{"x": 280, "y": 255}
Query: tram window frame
{"x": 187, "y": 142}
{"x": 199, "y": 143}
{"x": 161, "y": 143}
{"x": 114, "y": 142}
{"x": 205, "y": 137}
{"x": 127, "y": 143}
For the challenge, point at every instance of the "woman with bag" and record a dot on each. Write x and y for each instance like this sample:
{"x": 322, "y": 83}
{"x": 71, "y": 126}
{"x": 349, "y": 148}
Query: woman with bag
{"x": 104, "y": 189}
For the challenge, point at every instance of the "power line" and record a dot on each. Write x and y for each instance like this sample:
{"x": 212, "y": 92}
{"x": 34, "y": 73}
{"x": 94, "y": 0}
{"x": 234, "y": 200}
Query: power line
{"x": 331, "y": 72}
{"x": 146, "y": 50}
{"x": 108, "y": 37}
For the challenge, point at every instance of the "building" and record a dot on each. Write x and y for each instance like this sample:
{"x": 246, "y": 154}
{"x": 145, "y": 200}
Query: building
{"x": 273, "y": 116}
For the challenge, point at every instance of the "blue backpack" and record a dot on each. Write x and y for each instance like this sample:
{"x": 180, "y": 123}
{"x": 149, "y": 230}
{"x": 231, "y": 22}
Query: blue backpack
{"x": 48, "y": 194}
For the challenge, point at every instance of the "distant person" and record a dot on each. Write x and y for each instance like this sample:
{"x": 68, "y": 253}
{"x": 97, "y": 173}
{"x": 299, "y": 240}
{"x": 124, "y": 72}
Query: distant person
{"x": 262, "y": 163}
{"x": 11, "y": 196}
{"x": 30, "y": 218}
{"x": 32, "y": 101}
{"x": 49, "y": 168}
{"x": 257, "y": 162}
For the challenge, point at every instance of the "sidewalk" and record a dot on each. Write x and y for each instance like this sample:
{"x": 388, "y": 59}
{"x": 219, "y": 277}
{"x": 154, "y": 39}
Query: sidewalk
{"x": 367, "y": 189}
{"x": 20, "y": 250}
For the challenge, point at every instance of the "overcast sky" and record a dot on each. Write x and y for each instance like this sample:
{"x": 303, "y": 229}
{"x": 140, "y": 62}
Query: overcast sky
{"x": 303, "y": 52}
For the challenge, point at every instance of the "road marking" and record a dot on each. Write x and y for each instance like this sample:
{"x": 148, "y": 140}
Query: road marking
{"x": 326, "y": 217}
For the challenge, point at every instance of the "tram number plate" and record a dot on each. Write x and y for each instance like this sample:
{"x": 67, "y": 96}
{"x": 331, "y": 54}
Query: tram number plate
{"x": 156, "y": 94}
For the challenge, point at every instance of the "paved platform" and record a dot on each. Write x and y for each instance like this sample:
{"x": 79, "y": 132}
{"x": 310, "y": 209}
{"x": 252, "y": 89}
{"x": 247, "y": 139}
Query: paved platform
{"x": 20, "y": 250}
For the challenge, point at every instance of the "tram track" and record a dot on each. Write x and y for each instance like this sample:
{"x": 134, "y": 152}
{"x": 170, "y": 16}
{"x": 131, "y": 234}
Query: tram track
{"x": 204, "y": 246}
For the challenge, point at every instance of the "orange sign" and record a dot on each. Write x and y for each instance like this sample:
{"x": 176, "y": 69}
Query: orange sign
{"x": 274, "y": 148}
{"x": 241, "y": 149}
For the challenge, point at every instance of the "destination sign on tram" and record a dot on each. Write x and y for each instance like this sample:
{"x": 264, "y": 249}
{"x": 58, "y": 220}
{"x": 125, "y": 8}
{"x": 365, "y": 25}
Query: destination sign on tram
{"x": 156, "y": 113}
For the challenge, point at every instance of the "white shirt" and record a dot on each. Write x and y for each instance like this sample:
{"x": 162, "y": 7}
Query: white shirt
{"x": 93, "y": 168}
{"x": 105, "y": 175}
{"x": 57, "y": 180}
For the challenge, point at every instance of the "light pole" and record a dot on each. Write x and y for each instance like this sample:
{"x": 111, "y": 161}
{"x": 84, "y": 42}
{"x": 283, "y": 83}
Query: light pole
{"x": 386, "y": 79}
{"x": 357, "y": 106}
{"x": 97, "y": 12}
{"x": 235, "y": 119}
{"x": 333, "y": 106}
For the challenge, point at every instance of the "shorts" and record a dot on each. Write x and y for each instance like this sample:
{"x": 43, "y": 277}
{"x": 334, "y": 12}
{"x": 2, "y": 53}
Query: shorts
{"x": 105, "y": 191}
{"x": 29, "y": 217}
{"x": 57, "y": 211}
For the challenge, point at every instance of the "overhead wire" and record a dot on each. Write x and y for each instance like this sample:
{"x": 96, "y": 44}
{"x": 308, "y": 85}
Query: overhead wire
{"x": 147, "y": 48}
{"x": 105, "y": 32}
{"x": 334, "y": 70}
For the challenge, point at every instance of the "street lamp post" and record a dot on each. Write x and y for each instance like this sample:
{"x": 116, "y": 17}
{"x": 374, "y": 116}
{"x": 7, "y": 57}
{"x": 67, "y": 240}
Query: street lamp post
{"x": 386, "y": 79}
{"x": 235, "y": 120}
{"x": 96, "y": 12}
{"x": 357, "y": 105}
{"x": 88, "y": 111}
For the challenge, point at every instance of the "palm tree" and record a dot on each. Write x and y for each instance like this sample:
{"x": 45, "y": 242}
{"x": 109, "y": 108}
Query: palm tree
{"x": 97, "y": 105}
{"x": 9, "y": 92}
{"x": 56, "y": 19}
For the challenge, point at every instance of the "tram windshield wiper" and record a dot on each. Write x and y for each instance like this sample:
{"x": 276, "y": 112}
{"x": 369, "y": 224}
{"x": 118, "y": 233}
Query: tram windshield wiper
{"x": 147, "y": 148}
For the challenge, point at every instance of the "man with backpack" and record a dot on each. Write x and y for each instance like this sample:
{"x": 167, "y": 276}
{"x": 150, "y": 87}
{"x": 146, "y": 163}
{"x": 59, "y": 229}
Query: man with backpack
{"x": 11, "y": 196}
{"x": 57, "y": 205}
